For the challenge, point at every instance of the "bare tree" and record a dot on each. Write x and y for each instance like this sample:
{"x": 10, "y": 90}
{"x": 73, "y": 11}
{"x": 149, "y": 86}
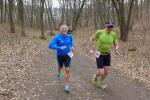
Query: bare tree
{"x": 41, "y": 19}
{"x": 147, "y": 8}
{"x": 32, "y": 13}
{"x": 21, "y": 16}
{"x": 77, "y": 15}
{"x": 1, "y": 9}
{"x": 123, "y": 23}
{"x": 5, "y": 12}
{"x": 51, "y": 14}
{"x": 12, "y": 26}
{"x": 137, "y": 9}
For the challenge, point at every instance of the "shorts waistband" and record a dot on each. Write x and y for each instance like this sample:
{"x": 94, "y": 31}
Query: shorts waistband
{"x": 104, "y": 53}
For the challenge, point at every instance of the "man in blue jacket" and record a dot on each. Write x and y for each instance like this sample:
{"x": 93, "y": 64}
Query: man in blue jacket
{"x": 64, "y": 45}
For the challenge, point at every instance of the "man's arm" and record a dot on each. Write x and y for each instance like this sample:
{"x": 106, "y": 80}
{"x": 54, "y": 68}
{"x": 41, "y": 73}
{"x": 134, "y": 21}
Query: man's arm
{"x": 116, "y": 44}
{"x": 91, "y": 40}
{"x": 52, "y": 44}
{"x": 72, "y": 44}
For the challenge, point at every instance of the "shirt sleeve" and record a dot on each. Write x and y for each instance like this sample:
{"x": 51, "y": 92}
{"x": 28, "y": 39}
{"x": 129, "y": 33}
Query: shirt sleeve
{"x": 53, "y": 44}
{"x": 115, "y": 38}
{"x": 96, "y": 34}
{"x": 72, "y": 42}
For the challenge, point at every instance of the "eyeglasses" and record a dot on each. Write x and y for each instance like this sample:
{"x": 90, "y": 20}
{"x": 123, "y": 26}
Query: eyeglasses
{"x": 64, "y": 28}
{"x": 109, "y": 26}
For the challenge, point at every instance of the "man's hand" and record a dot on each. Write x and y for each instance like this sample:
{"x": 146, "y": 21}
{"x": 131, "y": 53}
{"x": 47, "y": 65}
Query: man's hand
{"x": 92, "y": 52}
{"x": 72, "y": 49}
{"x": 116, "y": 48}
{"x": 63, "y": 47}
{"x": 116, "y": 51}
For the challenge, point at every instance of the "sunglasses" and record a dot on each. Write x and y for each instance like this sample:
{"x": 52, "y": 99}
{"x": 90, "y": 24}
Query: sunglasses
{"x": 109, "y": 26}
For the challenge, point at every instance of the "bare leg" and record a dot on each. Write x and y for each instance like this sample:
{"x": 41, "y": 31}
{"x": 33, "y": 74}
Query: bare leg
{"x": 104, "y": 72}
{"x": 58, "y": 75}
{"x": 67, "y": 76}
{"x": 101, "y": 72}
{"x": 97, "y": 73}
{"x": 59, "y": 69}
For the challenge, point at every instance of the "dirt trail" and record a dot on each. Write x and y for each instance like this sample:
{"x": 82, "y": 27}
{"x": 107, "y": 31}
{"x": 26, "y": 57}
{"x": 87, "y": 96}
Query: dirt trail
{"x": 49, "y": 88}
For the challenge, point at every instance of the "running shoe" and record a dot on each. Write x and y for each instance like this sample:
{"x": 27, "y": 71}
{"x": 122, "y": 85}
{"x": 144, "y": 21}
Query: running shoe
{"x": 67, "y": 88}
{"x": 101, "y": 85}
{"x": 94, "y": 79}
{"x": 58, "y": 75}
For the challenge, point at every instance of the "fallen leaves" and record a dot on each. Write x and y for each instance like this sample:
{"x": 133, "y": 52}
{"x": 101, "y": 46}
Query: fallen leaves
{"x": 17, "y": 57}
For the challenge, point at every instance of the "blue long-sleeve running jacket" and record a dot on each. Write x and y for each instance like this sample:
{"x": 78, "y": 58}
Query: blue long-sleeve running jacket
{"x": 58, "y": 41}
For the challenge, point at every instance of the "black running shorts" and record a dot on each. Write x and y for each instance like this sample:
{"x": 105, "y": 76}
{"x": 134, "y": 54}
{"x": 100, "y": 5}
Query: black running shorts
{"x": 63, "y": 60}
{"x": 103, "y": 60}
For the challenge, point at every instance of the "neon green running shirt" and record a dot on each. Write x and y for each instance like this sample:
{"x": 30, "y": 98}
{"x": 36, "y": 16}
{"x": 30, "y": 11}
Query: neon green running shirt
{"x": 104, "y": 40}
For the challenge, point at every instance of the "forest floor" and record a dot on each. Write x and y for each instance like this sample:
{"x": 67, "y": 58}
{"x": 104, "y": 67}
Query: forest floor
{"x": 28, "y": 70}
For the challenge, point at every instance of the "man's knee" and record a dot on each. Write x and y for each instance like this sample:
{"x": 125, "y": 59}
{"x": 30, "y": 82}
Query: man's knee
{"x": 59, "y": 68}
{"x": 67, "y": 70}
{"x": 101, "y": 71}
{"x": 106, "y": 69}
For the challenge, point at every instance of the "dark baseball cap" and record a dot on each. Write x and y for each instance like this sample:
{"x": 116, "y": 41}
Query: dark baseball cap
{"x": 109, "y": 24}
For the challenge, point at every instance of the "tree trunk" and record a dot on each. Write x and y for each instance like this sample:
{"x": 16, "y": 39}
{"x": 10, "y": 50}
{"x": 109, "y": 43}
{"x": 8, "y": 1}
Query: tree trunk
{"x": 51, "y": 15}
{"x": 147, "y": 12}
{"x": 21, "y": 16}
{"x": 49, "y": 19}
{"x": 137, "y": 10}
{"x": 5, "y": 13}
{"x": 95, "y": 15}
{"x": 62, "y": 15}
{"x": 114, "y": 16}
{"x": 1, "y": 9}
{"x": 141, "y": 9}
{"x": 12, "y": 26}
{"x": 123, "y": 24}
{"x": 67, "y": 14}
{"x": 32, "y": 12}
{"x": 41, "y": 18}
{"x": 128, "y": 20}
{"x": 74, "y": 26}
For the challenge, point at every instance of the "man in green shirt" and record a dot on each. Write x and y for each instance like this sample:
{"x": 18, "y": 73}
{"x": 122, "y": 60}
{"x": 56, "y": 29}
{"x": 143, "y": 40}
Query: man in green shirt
{"x": 105, "y": 39}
